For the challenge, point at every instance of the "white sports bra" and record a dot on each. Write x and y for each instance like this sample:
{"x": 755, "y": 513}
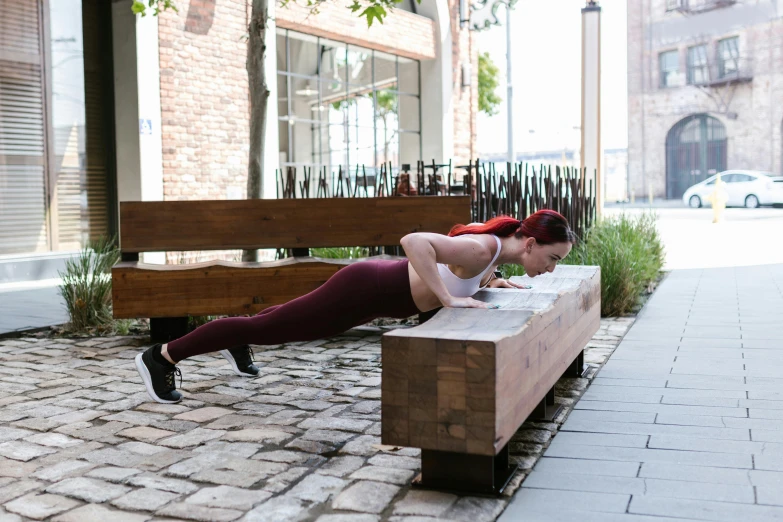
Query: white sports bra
{"x": 459, "y": 287}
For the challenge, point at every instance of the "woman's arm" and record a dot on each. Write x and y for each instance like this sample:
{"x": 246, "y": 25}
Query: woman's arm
{"x": 425, "y": 250}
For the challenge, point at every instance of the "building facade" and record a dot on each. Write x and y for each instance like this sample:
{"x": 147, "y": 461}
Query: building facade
{"x": 341, "y": 94}
{"x": 99, "y": 106}
{"x": 705, "y": 84}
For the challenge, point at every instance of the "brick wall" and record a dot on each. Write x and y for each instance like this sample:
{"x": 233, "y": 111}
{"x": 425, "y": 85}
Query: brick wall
{"x": 204, "y": 94}
{"x": 464, "y": 99}
{"x": 401, "y": 33}
{"x": 204, "y": 99}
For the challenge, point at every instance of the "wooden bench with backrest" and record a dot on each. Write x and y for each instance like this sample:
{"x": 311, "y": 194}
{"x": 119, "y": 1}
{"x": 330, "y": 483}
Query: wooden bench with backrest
{"x": 461, "y": 384}
{"x": 168, "y": 294}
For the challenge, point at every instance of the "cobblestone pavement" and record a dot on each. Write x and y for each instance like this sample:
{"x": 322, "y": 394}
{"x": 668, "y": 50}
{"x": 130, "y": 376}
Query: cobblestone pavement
{"x": 80, "y": 440}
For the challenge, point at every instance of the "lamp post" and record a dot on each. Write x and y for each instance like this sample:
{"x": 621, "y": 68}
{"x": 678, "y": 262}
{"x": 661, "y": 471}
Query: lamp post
{"x": 591, "y": 98}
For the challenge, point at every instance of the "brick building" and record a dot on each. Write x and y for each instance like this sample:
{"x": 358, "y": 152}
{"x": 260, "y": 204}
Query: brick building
{"x": 705, "y": 82}
{"x": 158, "y": 107}
{"x": 346, "y": 94}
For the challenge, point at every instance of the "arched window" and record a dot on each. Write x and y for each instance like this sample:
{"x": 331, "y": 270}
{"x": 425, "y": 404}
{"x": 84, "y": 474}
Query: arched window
{"x": 695, "y": 150}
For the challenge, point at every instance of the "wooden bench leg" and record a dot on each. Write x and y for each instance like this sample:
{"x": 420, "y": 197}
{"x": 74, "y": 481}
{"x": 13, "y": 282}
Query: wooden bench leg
{"x": 578, "y": 368}
{"x": 426, "y": 316}
{"x": 165, "y": 329}
{"x": 460, "y": 472}
{"x": 547, "y": 409}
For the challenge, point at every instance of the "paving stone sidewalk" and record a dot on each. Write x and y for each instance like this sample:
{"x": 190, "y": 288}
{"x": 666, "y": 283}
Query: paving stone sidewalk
{"x": 685, "y": 421}
{"x": 80, "y": 439}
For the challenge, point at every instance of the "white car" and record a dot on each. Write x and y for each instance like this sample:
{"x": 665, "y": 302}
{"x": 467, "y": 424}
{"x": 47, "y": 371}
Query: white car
{"x": 745, "y": 188}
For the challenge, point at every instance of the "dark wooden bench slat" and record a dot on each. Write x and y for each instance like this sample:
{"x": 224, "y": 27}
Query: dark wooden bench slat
{"x": 152, "y": 226}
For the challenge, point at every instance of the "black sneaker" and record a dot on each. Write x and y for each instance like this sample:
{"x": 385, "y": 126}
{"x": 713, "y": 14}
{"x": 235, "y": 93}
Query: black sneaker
{"x": 241, "y": 359}
{"x": 158, "y": 377}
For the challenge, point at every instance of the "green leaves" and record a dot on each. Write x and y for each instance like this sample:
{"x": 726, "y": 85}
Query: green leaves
{"x": 630, "y": 253}
{"x": 86, "y": 285}
{"x": 168, "y": 4}
{"x": 138, "y": 6}
{"x": 374, "y": 11}
{"x": 387, "y": 102}
{"x": 488, "y": 72}
{"x": 377, "y": 9}
{"x": 340, "y": 252}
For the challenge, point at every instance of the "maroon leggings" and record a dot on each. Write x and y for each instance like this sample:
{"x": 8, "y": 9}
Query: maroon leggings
{"x": 356, "y": 294}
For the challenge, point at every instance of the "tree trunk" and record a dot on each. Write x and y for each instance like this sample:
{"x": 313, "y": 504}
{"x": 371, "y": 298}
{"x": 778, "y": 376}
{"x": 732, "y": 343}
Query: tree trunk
{"x": 259, "y": 95}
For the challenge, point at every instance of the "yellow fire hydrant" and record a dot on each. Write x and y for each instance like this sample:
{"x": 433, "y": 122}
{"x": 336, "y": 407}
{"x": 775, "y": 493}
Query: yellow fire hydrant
{"x": 718, "y": 198}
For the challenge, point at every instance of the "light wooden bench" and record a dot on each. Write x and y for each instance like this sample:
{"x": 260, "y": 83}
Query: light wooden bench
{"x": 461, "y": 384}
{"x": 168, "y": 294}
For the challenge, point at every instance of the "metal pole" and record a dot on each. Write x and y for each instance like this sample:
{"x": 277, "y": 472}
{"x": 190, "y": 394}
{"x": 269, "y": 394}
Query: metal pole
{"x": 591, "y": 98}
{"x": 509, "y": 95}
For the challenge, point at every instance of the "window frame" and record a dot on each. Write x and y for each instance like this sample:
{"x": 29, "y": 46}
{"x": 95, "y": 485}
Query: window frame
{"x": 663, "y": 75}
{"x": 322, "y": 157}
{"x": 734, "y": 51}
{"x": 704, "y": 67}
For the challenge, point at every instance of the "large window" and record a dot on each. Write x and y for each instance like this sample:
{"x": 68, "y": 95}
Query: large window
{"x": 55, "y": 128}
{"x": 343, "y": 105}
{"x": 669, "y": 67}
{"x": 698, "y": 70}
{"x": 728, "y": 57}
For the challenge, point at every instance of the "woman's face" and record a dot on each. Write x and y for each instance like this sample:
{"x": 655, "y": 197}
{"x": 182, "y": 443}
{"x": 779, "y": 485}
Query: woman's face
{"x": 538, "y": 259}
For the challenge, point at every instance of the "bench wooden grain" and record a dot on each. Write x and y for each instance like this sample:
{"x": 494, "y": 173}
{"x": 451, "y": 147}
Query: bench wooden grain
{"x": 461, "y": 384}
{"x": 168, "y": 294}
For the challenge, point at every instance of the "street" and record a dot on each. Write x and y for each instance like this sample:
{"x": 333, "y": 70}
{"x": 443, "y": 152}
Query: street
{"x": 746, "y": 237}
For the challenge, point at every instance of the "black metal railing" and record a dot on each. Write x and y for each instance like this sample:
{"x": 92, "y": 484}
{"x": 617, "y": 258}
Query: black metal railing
{"x": 522, "y": 190}
{"x": 517, "y": 190}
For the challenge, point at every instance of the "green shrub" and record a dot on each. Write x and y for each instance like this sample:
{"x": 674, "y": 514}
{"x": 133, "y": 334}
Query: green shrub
{"x": 340, "y": 252}
{"x": 194, "y": 321}
{"x": 630, "y": 253}
{"x": 511, "y": 270}
{"x": 123, "y": 326}
{"x": 86, "y": 285}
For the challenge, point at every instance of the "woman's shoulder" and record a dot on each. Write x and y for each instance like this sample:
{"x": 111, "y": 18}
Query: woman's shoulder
{"x": 491, "y": 241}
{"x": 467, "y": 250}
{"x": 490, "y": 245}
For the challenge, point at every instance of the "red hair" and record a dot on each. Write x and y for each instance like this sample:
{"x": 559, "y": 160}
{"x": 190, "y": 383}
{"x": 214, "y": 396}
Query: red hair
{"x": 546, "y": 226}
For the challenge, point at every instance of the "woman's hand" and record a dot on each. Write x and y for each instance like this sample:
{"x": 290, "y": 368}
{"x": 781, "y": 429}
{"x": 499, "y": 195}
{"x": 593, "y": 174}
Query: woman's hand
{"x": 467, "y": 302}
{"x": 505, "y": 283}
